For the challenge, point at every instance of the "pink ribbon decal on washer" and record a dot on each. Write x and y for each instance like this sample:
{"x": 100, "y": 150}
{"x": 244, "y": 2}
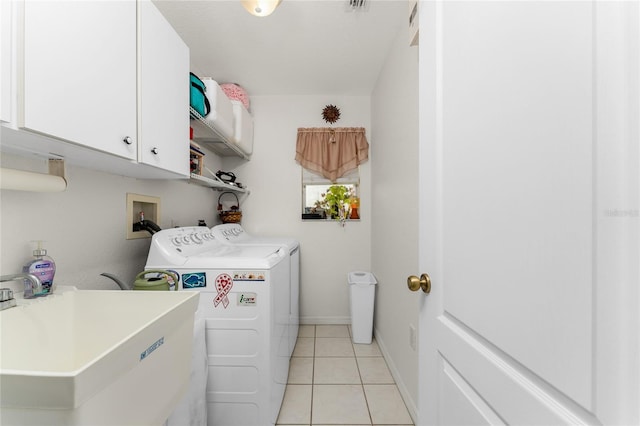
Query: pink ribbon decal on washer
{"x": 224, "y": 282}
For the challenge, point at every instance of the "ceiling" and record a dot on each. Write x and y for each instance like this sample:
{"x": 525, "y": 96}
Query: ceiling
{"x": 306, "y": 47}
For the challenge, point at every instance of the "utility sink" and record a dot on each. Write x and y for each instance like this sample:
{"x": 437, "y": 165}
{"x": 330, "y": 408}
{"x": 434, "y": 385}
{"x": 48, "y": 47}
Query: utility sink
{"x": 96, "y": 357}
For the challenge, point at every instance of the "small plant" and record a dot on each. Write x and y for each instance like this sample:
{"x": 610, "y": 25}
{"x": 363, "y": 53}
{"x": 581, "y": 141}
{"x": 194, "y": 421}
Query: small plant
{"x": 337, "y": 202}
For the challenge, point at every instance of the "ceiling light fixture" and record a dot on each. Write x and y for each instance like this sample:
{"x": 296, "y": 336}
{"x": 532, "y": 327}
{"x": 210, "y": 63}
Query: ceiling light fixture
{"x": 260, "y": 7}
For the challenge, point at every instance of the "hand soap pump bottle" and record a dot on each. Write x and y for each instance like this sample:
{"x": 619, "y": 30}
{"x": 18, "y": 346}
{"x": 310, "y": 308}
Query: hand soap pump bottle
{"x": 43, "y": 267}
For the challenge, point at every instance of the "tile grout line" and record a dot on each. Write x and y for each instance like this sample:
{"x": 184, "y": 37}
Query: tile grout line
{"x": 313, "y": 374}
{"x": 364, "y": 393}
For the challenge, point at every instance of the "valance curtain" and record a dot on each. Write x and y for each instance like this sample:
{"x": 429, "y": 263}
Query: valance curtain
{"x": 331, "y": 152}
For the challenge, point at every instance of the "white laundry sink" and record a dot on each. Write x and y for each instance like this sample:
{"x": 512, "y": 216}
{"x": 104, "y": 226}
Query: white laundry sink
{"x": 96, "y": 358}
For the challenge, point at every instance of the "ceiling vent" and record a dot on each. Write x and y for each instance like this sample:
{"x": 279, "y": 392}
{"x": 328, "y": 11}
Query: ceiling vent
{"x": 357, "y": 4}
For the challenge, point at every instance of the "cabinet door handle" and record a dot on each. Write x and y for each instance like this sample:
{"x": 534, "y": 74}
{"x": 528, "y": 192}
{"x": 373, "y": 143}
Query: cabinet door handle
{"x": 154, "y": 150}
{"x": 127, "y": 140}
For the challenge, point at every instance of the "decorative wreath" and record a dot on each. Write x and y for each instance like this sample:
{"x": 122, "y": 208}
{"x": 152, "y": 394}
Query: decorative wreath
{"x": 331, "y": 113}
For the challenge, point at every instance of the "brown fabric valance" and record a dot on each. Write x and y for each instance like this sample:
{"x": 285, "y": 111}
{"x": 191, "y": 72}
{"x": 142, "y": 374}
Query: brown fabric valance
{"x": 331, "y": 152}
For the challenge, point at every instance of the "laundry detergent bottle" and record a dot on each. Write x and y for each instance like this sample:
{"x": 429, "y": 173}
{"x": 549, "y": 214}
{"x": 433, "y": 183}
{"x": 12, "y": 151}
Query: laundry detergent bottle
{"x": 43, "y": 267}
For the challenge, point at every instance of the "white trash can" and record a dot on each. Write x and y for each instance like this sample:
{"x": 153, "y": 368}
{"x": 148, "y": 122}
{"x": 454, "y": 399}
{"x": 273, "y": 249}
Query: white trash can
{"x": 362, "y": 292}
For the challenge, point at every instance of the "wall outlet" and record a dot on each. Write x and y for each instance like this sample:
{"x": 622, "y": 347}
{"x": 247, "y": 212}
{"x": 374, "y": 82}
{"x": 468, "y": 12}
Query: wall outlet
{"x": 413, "y": 339}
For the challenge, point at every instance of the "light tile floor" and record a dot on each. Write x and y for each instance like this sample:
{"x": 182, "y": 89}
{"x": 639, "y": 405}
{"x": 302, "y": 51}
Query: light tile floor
{"x": 333, "y": 381}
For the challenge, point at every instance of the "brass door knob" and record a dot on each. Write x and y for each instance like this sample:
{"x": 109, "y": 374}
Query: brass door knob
{"x": 424, "y": 282}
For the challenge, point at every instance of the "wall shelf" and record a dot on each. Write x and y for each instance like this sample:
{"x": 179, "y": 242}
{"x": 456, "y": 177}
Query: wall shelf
{"x": 204, "y": 133}
{"x": 217, "y": 185}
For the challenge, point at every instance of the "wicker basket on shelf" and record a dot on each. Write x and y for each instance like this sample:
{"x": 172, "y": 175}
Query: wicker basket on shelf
{"x": 230, "y": 216}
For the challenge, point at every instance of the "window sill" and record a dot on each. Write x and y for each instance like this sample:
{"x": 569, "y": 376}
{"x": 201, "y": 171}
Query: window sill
{"x": 321, "y": 219}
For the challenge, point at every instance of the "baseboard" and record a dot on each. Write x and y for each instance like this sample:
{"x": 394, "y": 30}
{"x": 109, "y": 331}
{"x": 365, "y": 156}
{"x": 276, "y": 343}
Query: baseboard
{"x": 409, "y": 402}
{"x": 325, "y": 320}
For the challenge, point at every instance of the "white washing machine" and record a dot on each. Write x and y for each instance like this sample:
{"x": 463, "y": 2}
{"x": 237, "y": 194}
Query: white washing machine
{"x": 244, "y": 299}
{"x": 234, "y": 234}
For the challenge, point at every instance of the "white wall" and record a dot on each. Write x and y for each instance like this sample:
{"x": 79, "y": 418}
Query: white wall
{"x": 328, "y": 251}
{"x": 394, "y": 250}
{"x": 85, "y": 226}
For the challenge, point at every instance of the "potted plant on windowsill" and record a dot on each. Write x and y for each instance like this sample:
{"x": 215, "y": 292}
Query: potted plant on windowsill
{"x": 337, "y": 202}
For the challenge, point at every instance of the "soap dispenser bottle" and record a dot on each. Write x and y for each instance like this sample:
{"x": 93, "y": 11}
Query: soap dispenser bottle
{"x": 43, "y": 267}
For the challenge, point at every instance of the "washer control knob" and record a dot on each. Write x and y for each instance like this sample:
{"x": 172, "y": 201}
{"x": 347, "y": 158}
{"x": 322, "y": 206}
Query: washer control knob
{"x": 176, "y": 241}
{"x": 196, "y": 238}
{"x": 186, "y": 239}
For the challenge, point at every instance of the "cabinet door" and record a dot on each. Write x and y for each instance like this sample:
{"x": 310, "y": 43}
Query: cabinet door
{"x": 163, "y": 82}
{"x": 5, "y": 60}
{"x": 79, "y": 73}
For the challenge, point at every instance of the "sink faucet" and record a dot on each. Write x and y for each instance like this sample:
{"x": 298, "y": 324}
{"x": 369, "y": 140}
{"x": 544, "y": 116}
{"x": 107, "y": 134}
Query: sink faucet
{"x": 32, "y": 285}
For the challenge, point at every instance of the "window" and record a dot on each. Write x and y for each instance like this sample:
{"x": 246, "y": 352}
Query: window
{"x": 314, "y": 188}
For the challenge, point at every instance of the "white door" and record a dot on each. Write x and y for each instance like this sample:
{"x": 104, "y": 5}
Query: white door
{"x": 530, "y": 227}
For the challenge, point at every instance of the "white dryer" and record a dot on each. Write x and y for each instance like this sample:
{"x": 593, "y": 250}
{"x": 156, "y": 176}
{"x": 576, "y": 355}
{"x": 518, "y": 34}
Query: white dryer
{"x": 234, "y": 234}
{"x": 244, "y": 298}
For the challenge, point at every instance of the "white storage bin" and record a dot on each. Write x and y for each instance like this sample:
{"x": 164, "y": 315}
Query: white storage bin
{"x": 243, "y": 133}
{"x": 362, "y": 292}
{"x": 221, "y": 116}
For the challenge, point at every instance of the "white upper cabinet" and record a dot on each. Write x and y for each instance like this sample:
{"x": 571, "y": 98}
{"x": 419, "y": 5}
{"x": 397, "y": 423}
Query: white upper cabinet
{"x": 103, "y": 84}
{"x": 163, "y": 84}
{"x": 79, "y": 73}
{"x": 6, "y": 36}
